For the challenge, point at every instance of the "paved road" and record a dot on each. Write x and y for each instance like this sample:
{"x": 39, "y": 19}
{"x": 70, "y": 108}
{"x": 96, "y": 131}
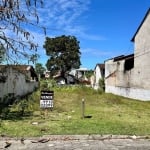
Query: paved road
{"x": 77, "y": 142}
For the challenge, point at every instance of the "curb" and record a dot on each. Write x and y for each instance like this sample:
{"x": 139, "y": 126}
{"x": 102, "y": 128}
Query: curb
{"x": 94, "y": 137}
{"x": 78, "y": 137}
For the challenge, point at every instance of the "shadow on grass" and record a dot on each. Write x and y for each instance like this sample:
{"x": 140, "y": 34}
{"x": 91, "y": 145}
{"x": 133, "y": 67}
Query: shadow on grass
{"x": 17, "y": 115}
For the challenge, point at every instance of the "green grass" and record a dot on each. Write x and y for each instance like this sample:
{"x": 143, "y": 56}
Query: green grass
{"x": 110, "y": 114}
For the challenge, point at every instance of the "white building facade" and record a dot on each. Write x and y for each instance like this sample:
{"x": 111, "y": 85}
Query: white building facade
{"x": 129, "y": 75}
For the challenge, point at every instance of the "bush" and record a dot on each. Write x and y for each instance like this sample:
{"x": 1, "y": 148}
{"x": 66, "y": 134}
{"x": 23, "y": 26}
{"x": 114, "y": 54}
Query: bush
{"x": 102, "y": 84}
{"x": 4, "y": 113}
{"x": 47, "y": 84}
{"x": 23, "y": 105}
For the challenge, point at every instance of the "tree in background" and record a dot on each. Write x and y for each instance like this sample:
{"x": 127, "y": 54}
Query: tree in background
{"x": 89, "y": 73}
{"x": 33, "y": 58}
{"x": 39, "y": 68}
{"x": 64, "y": 54}
{"x": 2, "y": 54}
{"x": 15, "y": 16}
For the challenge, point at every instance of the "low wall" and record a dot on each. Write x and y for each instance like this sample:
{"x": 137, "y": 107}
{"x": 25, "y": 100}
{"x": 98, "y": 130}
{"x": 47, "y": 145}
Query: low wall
{"x": 134, "y": 93}
{"x": 18, "y": 89}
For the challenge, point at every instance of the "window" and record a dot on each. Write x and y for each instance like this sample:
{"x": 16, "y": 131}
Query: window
{"x": 129, "y": 63}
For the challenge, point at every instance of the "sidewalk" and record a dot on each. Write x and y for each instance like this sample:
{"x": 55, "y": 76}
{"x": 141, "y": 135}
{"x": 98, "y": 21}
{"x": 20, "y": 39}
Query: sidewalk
{"x": 77, "y": 142}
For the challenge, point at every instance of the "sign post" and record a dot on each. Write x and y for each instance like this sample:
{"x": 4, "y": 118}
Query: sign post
{"x": 46, "y": 100}
{"x": 83, "y": 108}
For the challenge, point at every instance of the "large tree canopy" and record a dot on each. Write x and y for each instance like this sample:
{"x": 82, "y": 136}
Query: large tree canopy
{"x": 64, "y": 52}
{"x": 15, "y": 15}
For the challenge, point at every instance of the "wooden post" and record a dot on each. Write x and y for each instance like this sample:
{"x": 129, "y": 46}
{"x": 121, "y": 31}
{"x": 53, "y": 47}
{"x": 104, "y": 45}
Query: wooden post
{"x": 83, "y": 108}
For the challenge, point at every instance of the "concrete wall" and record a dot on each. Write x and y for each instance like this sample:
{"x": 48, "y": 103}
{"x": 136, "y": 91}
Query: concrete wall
{"x": 116, "y": 75}
{"x": 134, "y": 83}
{"x": 122, "y": 82}
{"x": 142, "y": 56}
{"x": 16, "y": 83}
{"x": 131, "y": 92}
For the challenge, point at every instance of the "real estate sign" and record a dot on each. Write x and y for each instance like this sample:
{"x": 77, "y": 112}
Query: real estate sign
{"x": 46, "y": 100}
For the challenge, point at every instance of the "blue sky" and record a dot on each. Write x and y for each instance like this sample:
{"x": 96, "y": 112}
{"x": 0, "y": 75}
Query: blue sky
{"x": 103, "y": 27}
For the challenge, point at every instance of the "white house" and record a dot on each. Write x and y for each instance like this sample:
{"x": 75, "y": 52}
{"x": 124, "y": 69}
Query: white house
{"x": 79, "y": 74}
{"x": 99, "y": 73}
{"x": 129, "y": 75}
{"x": 74, "y": 76}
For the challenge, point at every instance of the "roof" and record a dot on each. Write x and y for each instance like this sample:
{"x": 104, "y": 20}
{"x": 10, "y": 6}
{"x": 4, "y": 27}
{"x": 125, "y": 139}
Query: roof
{"x": 147, "y": 13}
{"x": 114, "y": 57}
{"x": 21, "y": 68}
{"x": 82, "y": 69}
{"x": 122, "y": 57}
{"x": 101, "y": 66}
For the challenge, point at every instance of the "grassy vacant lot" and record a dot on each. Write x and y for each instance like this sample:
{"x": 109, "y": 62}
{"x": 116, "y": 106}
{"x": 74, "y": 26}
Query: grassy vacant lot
{"x": 110, "y": 114}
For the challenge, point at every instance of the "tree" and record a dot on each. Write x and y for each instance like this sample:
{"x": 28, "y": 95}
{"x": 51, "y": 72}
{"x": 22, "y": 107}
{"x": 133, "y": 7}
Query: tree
{"x": 15, "y": 15}
{"x": 15, "y": 39}
{"x": 39, "y": 68}
{"x": 89, "y": 73}
{"x": 64, "y": 54}
{"x": 2, "y": 54}
{"x": 33, "y": 58}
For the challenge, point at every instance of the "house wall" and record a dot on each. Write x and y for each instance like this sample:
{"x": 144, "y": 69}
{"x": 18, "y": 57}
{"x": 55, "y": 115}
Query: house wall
{"x": 116, "y": 75}
{"x": 124, "y": 83}
{"x": 92, "y": 81}
{"x": 142, "y": 56}
{"x": 98, "y": 76}
{"x": 16, "y": 83}
{"x": 134, "y": 93}
{"x": 60, "y": 81}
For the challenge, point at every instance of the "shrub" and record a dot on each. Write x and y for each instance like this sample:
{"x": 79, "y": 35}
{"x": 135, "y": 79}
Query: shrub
{"x": 102, "y": 84}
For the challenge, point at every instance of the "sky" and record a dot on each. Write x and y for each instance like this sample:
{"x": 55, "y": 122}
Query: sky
{"x": 103, "y": 27}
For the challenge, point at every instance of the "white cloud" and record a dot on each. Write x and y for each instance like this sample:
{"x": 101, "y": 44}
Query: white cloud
{"x": 65, "y": 17}
{"x": 66, "y": 11}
